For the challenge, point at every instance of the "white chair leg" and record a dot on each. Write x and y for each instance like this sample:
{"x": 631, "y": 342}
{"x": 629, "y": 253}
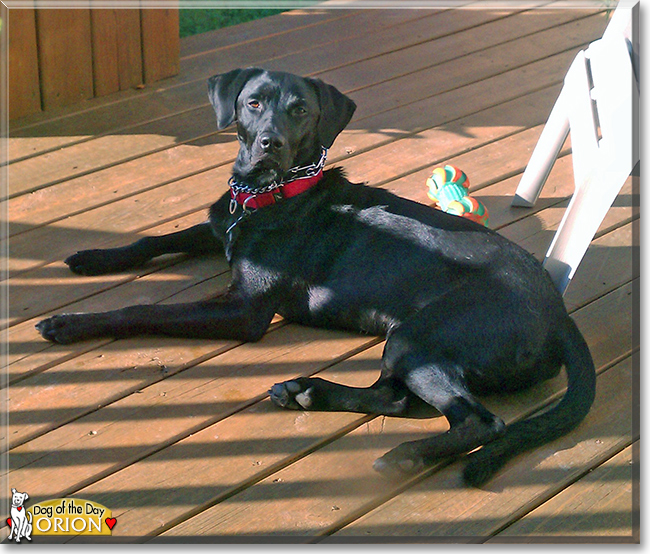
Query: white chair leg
{"x": 586, "y": 211}
{"x": 546, "y": 151}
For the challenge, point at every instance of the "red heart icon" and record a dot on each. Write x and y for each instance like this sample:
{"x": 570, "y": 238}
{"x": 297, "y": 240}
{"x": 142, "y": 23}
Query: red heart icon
{"x": 9, "y": 521}
{"x": 110, "y": 521}
{"x": 19, "y": 508}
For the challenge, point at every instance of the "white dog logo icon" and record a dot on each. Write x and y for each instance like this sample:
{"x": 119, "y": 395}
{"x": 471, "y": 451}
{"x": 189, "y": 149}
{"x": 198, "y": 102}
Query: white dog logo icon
{"x": 20, "y": 521}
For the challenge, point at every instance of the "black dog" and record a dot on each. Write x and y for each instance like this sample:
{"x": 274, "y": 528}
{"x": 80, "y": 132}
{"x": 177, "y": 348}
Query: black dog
{"x": 465, "y": 312}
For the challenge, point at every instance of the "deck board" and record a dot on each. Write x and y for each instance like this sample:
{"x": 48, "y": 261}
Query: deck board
{"x": 177, "y": 437}
{"x": 601, "y": 504}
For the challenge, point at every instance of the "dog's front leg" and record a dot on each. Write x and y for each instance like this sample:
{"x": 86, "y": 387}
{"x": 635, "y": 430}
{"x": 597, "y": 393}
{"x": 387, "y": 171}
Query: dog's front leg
{"x": 231, "y": 316}
{"x": 196, "y": 240}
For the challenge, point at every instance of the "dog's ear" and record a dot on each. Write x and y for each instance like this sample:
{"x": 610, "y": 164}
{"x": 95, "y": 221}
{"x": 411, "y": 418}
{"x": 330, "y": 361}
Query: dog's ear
{"x": 336, "y": 110}
{"x": 25, "y": 496}
{"x": 223, "y": 91}
{"x": 13, "y": 491}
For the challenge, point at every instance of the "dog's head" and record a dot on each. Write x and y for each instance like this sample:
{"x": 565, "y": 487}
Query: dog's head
{"x": 282, "y": 120}
{"x": 18, "y": 498}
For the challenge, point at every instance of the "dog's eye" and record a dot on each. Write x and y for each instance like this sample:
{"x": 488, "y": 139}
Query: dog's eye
{"x": 299, "y": 111}
{"x": 254, "y": 104}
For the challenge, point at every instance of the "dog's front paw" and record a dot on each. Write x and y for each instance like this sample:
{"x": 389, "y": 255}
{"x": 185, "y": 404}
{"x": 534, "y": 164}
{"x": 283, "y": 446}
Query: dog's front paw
{"x": 63, "y": 329}
{"x": 101, "y": 262}
{"x": 401, "y": 461}
{"x": 297, "y": 394}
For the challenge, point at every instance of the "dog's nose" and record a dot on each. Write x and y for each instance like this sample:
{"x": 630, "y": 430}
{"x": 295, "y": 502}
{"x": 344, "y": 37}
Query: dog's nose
{"x": 271, "y": 141}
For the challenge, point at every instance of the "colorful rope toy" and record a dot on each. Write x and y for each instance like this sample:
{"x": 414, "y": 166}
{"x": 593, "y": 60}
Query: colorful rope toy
{"x": 448, "y": 189}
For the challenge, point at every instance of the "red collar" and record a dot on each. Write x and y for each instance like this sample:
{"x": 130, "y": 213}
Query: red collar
{"x": 253, "y": 201}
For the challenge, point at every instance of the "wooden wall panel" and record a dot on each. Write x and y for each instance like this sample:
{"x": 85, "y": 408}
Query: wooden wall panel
{"x": 24, "y": 89}
{"x": 60, "y": 56}
{"x": 65, "y": 56}
{"x": 129, "y": 48}
{"x": 103, "y": 26}
{"x": 160, "y": 44}
{"x": 117, "y": 50}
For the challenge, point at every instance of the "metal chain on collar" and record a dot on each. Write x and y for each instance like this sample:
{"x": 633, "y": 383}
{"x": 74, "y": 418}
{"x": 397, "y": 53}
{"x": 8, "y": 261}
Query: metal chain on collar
{"x": 292, "y": 174}
{"x": 311, "y": 169}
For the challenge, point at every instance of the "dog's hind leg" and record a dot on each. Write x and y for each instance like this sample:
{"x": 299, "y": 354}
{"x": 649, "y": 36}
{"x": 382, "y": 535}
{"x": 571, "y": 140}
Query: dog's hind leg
{"x": 425, "y": 390}
{"x": 196, "y": 240}
{"x": 431, "y": 386}
{"x": 470, "y": 424}
{"x": 313, "y": 393}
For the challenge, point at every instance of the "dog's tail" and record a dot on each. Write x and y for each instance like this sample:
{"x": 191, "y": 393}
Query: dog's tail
{"x": 559, "y": 420}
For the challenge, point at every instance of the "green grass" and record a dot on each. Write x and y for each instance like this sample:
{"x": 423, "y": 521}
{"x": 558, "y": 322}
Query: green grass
{"x": 193, "y": 22}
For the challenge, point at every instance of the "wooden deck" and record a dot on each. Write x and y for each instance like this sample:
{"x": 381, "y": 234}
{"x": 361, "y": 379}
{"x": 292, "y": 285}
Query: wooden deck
{"x": 178, "y": 437}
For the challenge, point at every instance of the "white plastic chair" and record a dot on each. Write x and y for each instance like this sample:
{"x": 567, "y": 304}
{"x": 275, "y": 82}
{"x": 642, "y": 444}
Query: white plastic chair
{"x": 599, "y": 105}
